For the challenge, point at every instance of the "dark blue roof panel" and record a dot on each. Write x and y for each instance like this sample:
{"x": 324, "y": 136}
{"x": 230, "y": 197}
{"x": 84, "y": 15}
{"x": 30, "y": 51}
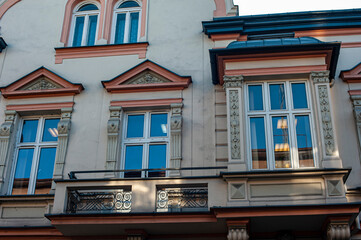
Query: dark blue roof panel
{"x": 273, "y": 42}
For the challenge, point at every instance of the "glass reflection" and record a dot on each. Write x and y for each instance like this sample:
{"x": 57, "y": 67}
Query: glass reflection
{"x": 304, "y": 141}
{"x": 45, "y": 170}
{"x": 277, "y": 94}
{"x": 50, "y": 133}
{"x": 92, "y": 28}
{"x": 28, "y": 133}
{"x": 281, "y": 142}
{"x": 258, "y": 143}
{"x": 120, "y": 29}
{"x": 255, "y": 97}
{"x": 133, "y": 36}
{"x": 22, "y": 171}
{"x": 78, "y": 32}
{"x": 158, "y": 125}
{"x": 299, "y": 95}
{"x": 135, "y": 126}
{"x": 157, "y": 159}
{"x": 133, "y": 160}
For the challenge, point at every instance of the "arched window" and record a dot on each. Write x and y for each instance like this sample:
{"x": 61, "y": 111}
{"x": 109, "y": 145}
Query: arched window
{"x": 126, "y": 22}
{"x": 85, "y": 22}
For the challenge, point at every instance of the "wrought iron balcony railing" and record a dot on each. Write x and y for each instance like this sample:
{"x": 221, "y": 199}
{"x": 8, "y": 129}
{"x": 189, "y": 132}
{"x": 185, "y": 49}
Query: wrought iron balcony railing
{"x": 106, "y": 200}
{"x": 182, "y": 199}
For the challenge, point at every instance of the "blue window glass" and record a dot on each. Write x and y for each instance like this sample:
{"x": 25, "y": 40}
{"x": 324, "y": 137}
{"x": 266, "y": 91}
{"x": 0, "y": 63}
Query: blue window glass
{"x": 45, "y": 170}
{"x": 50, "y": 133}
{"x": 134, "y": 18}
{"x": 299, "y": 95}
{"x": 281, "y": 142}
{"x": 133, "y": 160}
{"x": 158, "y": 125}
{"x": 78, "y": 31}
{"x": 128, "y": 4}
{"x": 304, "y": 141}
{"x": 135, "y": 126}
{"x": 22, "y": 171}
{"x": 157, "y": 159}
{"x": 28, "y": 134}
{"x": 120, "y": 29}
{"x": 88, "y": 7}
{"x": 258, "y": 143}
{"x": 92, "y": 29}
{"x": 277, "y": 94}
{"x": 255, "y": 97}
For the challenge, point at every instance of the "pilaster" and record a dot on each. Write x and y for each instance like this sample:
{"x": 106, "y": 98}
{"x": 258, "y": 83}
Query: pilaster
{"x": 356, "y": 103}
{"x": 113, "y": 128}
{"x": 175, "y": 137}
{"x": 5, "y": 134}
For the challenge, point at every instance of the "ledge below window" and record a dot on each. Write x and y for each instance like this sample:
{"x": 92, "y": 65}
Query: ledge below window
{"x": 100, "y": 51}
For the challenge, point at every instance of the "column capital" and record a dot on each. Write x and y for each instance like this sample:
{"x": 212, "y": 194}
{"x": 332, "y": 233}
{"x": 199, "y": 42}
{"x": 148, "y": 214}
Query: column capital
{"x": 232, "y": 81}
{"x": 338, "y": 230}
{"x": 320, "y": 77}
{"x": 237, "y": 230}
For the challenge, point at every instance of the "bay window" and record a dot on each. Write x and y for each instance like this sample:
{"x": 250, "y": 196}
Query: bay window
{"x": 279, "y": 124}
{"x": 145, "y": 143}
{"x": 35, "y": 156}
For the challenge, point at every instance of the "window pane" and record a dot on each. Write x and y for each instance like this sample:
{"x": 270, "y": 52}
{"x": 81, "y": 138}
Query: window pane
{"x": 277, "y": 93}
{"x": 133, "y": 160}
{"x": 133, "y": 36}
{"x": 135, "y": 126}
{"x": 304, "y": 141}
{"x": 45, "y": 170}
{"x": 255, "y": 97}
{"x": 157, "y": 159}
{"x": 28, "y": 133}
{"x": 258, "y": 143}
{"x": 299, "y": 95}
{"x": 78, "y": 31}
{"x": 281, "y": 142}
{"x": 88, "y": 7}
{"x": 22, "y": 171}
{"x": 158, "y": 126}
{"x": 119, "y": 29}
{"x": 50, "y": 133}
{"x": 92, "y": 29}
{"x": 129, "y": 4}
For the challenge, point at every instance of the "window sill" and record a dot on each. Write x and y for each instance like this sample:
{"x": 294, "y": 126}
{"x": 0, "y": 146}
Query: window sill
{"x": 101, "y": 51}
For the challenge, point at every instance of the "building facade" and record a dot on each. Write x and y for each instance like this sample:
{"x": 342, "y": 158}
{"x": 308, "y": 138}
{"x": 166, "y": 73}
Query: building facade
{"x": 158, "y": 119}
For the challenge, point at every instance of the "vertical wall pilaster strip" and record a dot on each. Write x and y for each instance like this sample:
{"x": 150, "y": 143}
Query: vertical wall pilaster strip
{"x": 233, "y": 87}
{"x": 356, "y": 102}
{"x": 64, "y": 126}
{"x": 176, "y": 137}
{"x": 113, "y": 138}
{"x": 5, "y": 134}
{"x": 322, "y": 88}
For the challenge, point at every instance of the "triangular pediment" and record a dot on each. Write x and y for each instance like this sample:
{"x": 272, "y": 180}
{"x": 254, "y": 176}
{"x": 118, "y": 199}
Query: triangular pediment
{"x": 147, "y": 76}
{"x": 40, "y": 83}
{"x": 353, "y": 75}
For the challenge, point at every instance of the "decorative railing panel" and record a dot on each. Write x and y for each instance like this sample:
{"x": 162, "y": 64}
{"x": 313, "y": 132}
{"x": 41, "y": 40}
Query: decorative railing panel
{"x": 80, "y": 201}
{"x": 182, "y": 199}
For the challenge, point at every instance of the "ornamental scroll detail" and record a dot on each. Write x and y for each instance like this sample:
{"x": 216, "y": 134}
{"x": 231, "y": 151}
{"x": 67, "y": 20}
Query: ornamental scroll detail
{"x": 41, "y": 84}
{"x": 326, "y": 120}
{"x": 234, "y": 124}
{"x": 147, "y": 78}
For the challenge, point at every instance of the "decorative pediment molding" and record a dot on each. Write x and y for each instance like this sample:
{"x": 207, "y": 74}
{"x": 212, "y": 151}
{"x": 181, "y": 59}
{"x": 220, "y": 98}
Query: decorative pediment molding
{"x": 40, "y": 83}
{"x": 145, "y": 77}
{"x": 353, "y": 75}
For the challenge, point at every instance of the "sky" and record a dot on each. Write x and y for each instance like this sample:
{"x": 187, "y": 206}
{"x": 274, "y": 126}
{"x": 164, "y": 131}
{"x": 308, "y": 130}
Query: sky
{"x": 253, "y": 7}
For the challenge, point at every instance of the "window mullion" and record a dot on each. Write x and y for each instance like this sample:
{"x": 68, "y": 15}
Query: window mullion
{"x": 84, "y": 38}
{"x": 127, "y": 27}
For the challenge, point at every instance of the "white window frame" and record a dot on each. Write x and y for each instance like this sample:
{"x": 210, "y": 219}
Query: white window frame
{"x": 146, "y": 140}
{"x": 127, "y": 12}
{"x": 86, "y": 14}
{"x": 290, "y": 112}
{"x": 37, "y": 146}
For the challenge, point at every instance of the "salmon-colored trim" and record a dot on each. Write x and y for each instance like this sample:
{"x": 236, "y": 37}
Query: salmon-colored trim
{"x": 144, "y": 18}
{"x": 69, "y": 7}
{"x": 17, "y": 232}
{"x": 328, "y": 32}
{"x": 265, "y": 57}
{"x": 351, "y": 44}
{"x": 226, "y": 36}
{"x": 39, "y": 107}
{"x": 176, "y": 82}
{"x": 354, "y": 92}
{"x": 275, "y": 70}
{"x": 139, "y": 49}
{"x": 353, "y": 75}
{"x": 6, "y": 6}
{"x": 220, "y": 8}
{"x": 69, "y": 89}
{"x": 146, "y": 103}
